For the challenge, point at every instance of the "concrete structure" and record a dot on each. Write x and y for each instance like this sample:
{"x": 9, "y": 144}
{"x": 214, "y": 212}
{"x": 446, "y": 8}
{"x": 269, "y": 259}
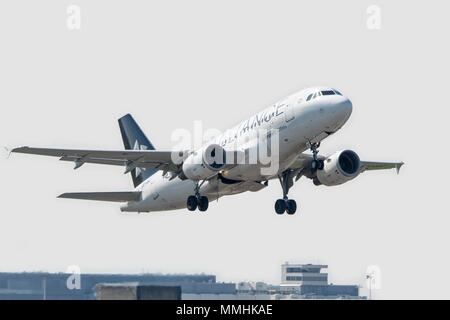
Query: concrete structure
{"x": 134, "y": 291}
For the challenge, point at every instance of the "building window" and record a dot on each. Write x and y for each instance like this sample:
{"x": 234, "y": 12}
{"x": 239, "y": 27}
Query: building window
{"x": 296, "y": 270}
{"x": 314, "y": 278}
{"x": 294, "y": 278}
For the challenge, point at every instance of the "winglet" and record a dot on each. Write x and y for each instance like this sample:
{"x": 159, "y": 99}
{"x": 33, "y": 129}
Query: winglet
{"x": 8, "y": 152}
{"x": 16, "y": 149}
{"x": 398, "y": 166}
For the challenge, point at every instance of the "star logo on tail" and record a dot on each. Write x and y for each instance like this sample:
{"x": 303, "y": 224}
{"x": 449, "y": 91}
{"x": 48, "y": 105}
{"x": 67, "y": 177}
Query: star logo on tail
{"x": 138, "y": 146}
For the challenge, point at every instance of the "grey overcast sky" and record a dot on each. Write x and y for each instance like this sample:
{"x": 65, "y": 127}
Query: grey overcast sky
{"x": 170, "y": 63}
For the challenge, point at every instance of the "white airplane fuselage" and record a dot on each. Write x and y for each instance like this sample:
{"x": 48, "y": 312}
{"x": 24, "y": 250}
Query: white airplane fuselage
{"x": 298, "y": 121}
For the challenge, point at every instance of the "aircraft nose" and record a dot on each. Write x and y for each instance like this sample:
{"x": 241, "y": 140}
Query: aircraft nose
{"x": 346, "y": 108}
{"x": 341, "y": 109}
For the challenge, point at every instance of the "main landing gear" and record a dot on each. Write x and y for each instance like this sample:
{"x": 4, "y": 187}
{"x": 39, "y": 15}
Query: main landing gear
{"x": 286, "y": 205}
{"x": 287, "y": 181}
{"x": 197, "y": 201}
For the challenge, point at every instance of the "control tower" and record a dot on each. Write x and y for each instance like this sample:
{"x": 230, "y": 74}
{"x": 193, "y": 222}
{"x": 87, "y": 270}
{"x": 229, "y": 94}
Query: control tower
{"x": 309, "y": 281}
{"x": 304, "y": 274}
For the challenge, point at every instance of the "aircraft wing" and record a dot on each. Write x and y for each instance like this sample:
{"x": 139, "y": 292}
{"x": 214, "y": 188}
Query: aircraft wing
{"x": 369, "y": 165}
{"x": 130, "y": 159}
{"x": 304, "y": 161}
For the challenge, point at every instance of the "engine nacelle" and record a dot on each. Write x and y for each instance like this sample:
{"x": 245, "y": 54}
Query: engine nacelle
{"x": 205, "y": 163}
{"x": 338, "y": 168}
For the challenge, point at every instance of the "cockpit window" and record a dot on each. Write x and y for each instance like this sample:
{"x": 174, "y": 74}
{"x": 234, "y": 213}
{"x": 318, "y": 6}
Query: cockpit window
{"x": 314, "y": 95}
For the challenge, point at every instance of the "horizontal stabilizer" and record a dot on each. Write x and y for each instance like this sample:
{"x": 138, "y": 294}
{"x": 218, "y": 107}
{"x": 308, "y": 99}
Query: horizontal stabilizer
{"x": 121, "y": 196}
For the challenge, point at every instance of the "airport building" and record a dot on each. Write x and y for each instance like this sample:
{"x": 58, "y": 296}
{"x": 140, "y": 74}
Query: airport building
{"x": 59, "y": 286}
{"x": 298, "y": 281}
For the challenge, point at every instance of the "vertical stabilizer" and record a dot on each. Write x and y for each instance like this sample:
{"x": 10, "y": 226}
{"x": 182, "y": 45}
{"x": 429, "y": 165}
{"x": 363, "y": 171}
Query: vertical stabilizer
{"x": 134, "y": 139}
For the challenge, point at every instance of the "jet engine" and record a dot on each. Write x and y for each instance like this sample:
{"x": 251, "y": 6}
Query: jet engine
{"x": 340, "y": 167}
{"x": 204, "y": 163}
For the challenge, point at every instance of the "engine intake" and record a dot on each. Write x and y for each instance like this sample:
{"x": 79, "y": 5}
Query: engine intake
{"x": 340, "y": 167}
{"x": 205, "y": 163}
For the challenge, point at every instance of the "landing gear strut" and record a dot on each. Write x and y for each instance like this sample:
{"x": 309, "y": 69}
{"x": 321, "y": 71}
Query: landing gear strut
{"x": 287, "y": 181}
{"x": 197, "y": 201}
{"x": 316, "y": 164}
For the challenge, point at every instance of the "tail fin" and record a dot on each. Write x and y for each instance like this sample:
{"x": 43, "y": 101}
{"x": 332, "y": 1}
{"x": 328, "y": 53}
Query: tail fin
{"x": 134, "y": 139}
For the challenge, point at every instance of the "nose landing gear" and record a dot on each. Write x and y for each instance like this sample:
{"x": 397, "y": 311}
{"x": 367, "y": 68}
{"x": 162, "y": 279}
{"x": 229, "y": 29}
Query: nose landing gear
{"x": 316, "y": 164}
{"x": 197, "y": 201}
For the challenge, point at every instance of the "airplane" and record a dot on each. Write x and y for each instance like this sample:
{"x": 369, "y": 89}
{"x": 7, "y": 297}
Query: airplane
{"x": 193, "y": 178}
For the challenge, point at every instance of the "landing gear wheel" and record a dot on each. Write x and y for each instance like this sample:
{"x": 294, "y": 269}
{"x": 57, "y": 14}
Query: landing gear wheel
{"x": 191, "y": 203}
{"x": 291, "y": 206}
{"x": 280, "y": 206}
{"x": 317, "y": 165}
{"x": 203, "y": 203}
